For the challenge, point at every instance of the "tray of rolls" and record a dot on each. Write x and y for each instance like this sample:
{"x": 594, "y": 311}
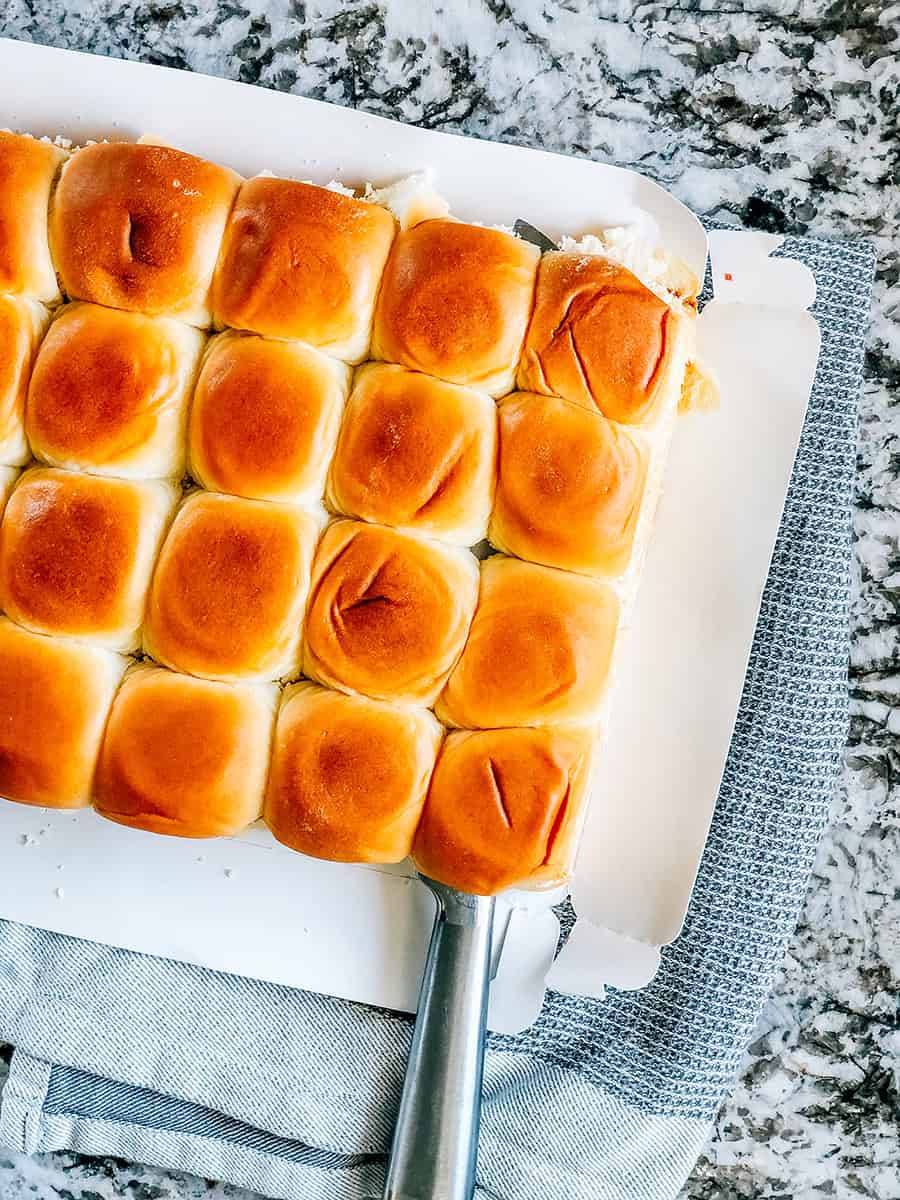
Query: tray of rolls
{"x": 326, "y": 501}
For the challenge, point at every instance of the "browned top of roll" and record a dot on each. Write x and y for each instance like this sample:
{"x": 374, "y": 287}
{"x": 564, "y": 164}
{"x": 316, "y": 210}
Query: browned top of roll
{"x": 503, "y": 808}
{"x": 106, "y": 385}
{"x": 388, "y": 612}
{"x": 301, "y": 261}
{"x": 54, "y": 697}
{"x": 539, "y": 650}
{"x": 454, "y": 303}
{"x": 27, "y": 169}
{"x": 228, "y": 593}
{"x": 597, "y": 336}
{"x": 76, "y": 553}
{"x": 569, "y": 486}
{"x": 139, "y": 226}
{"x": 349, "y": 775}
{"x": 265, "y": 418}
{"x": 185, "y": 756}
{"x": 416, "y": 453}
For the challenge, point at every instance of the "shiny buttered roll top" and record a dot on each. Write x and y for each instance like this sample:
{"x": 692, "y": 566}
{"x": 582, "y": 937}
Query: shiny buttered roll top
{"x": 109, "y": 393}
{"x": 265, "y": 418}
{"x": 416, "y": 453}
{"x": 139, "y": 227}
{"x": 388, "y": 612}
{"x": 455, "y": 302}
{"x": 304, "y": 262}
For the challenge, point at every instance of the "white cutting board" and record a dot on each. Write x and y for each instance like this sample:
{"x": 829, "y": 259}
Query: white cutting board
{"x": 248, "y": 905}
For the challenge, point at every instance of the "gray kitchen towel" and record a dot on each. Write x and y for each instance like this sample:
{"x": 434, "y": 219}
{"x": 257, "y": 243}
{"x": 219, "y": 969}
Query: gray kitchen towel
{"x": 294, "y": 1094}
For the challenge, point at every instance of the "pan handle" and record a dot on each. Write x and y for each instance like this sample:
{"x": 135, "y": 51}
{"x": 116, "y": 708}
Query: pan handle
{"x": 436, "y": 1140}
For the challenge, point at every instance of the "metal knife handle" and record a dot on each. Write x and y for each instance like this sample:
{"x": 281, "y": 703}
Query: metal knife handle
{"x": 436, "y": 1140}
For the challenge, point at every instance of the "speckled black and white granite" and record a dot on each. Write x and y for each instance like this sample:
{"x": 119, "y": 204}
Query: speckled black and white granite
{"x": 783, "y": 115}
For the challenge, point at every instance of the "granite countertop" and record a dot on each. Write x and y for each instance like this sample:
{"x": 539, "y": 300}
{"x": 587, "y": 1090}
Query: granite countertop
{"x": 783, "y": 122}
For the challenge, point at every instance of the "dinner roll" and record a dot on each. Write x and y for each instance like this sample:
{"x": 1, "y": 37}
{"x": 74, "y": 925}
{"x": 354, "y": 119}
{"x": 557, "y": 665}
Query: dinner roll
{"x": 349, "y": 775}
{"x": 185, "y": 756}
{"x": 599, "y": 337}
{"x": 27, "y": 170}
{"x": 265, "y": 418}
{"x": 229, "y": 589}
{"x": 110, "y": 391}
{"x": 54, "y": 699}
{"x": 388, "y": 612}
{"x": 504, "y": 808}
{"x": 139, "y": 226}
{"x": 301, "y": 261}
{"x": 416, "y": 453}
{"x": 77, "y": 553}
{"x": 454, "y": 303}
{"x": 539, "y": 650}
{"x": 22, "y": 325}
{"x": 569, "y": 486}
{"x": 8, "y": 476}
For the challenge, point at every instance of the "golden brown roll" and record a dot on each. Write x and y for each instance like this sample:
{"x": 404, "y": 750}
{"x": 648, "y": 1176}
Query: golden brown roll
{"x": 138, "y": 226}
{"x": 349, "y": 775}
{"x": 265, "y": 418}
{"x": 569, "y": 486}
{"x": 539, "y": 650}
{"x": 27, "y": 170}
{"x": 8, "y": 477}
{"x": 300, "y": 261}
{"x": 185, "y": 756}
{"x": 54, "y": 699}
{"x": 77, "y": 553}
{"x": 454, "y": 303}
{"x": 110, "y": 391}
{"x": 599, "y": 337}
{"x": 388, "y": 612}
{"x": 229, "y": 589}
{"x": 416, "y": 453}
{"x": 504, "y": 808}
{"x": 22, "y": 325}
